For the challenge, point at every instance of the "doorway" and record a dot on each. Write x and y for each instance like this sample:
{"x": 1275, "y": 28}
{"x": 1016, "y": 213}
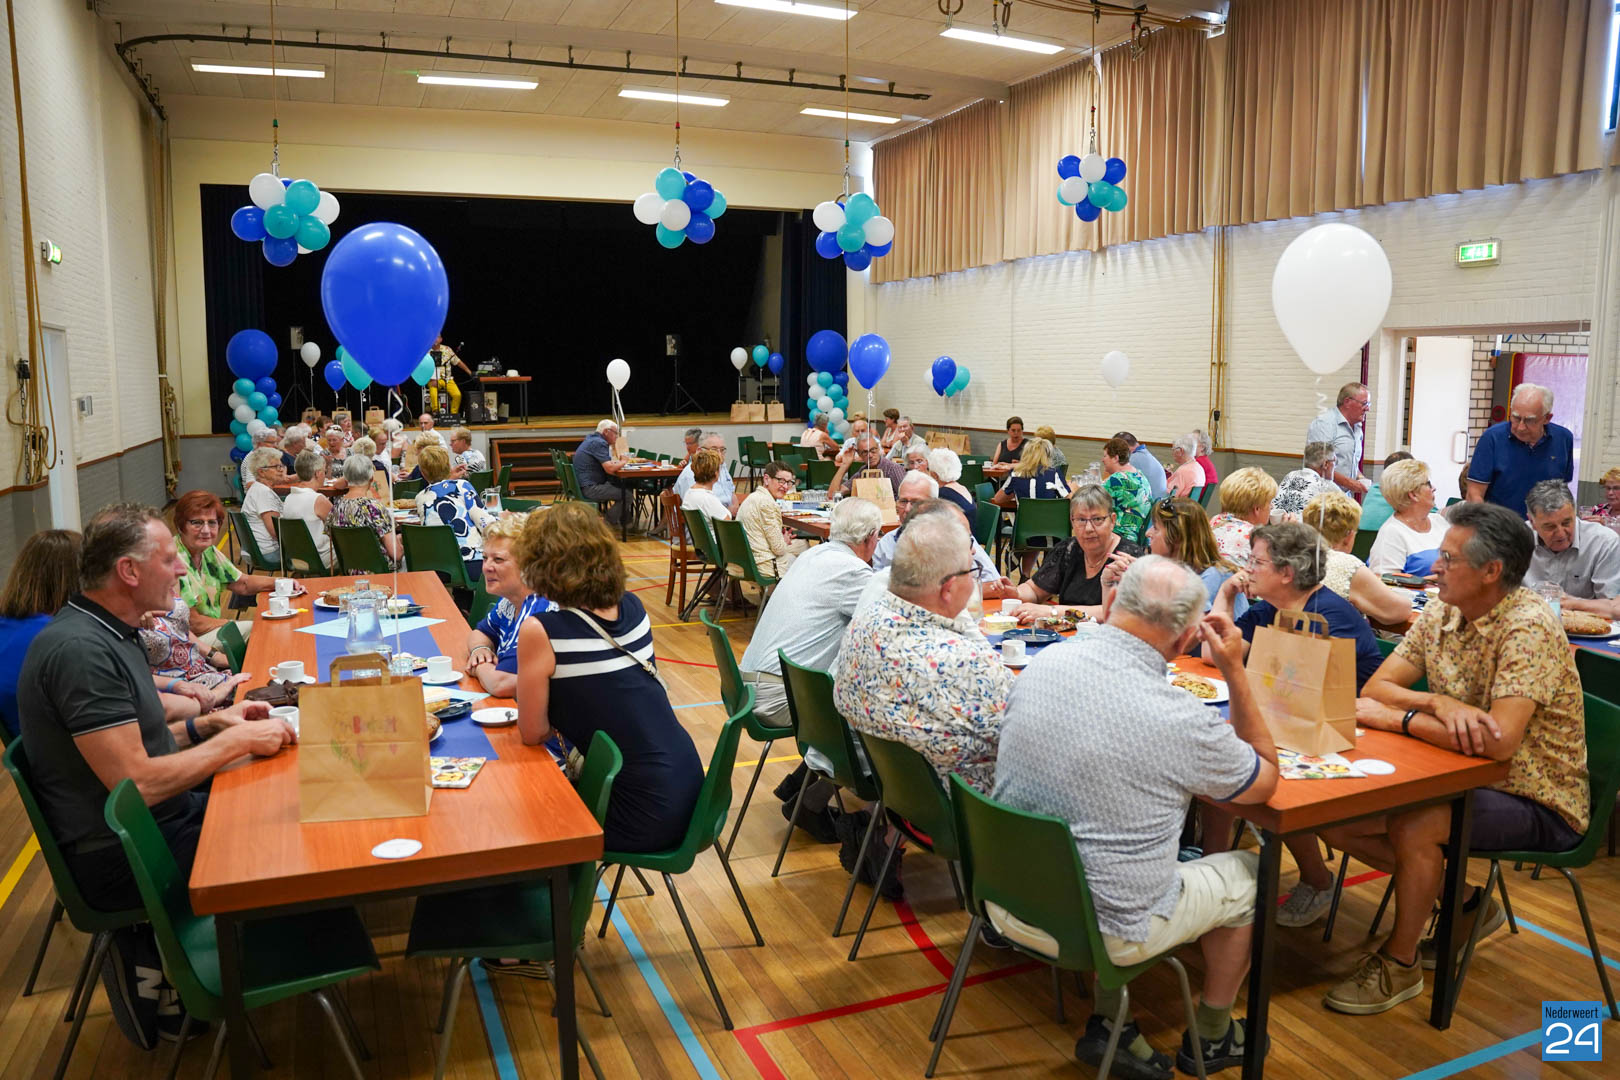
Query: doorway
{"x": 1442, "y": 373}
{"x": 62, "y": 482}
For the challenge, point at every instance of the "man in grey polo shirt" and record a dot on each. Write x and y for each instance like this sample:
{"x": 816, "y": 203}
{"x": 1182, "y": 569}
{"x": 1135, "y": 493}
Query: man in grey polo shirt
{"x": 91, "y": 716}
{"x": 1581, "y": 557}
{"x": 1096, "y": 735}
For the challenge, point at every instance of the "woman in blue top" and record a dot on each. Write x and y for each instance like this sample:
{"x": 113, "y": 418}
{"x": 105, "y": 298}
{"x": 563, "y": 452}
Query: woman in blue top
{"x": 451, "y": 502}
{"x": 44, "y": 575}
{"x": 589, "y": 667}
{"x": 492, "y": 649}
{"x": 1034, "y": 477}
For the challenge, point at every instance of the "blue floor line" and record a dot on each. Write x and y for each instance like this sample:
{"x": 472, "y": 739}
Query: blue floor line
{"x": 697, "y": 704}
{"x": 1565, "y": 942}
{"x": 666, "y": 1001}
{"x": 499, "y": 1048}
{"x": 1479, "y": 1057}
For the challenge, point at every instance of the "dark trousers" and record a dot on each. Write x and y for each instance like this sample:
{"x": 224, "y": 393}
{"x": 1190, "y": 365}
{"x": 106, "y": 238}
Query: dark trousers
{"x": 104, "y": 877}
{"x": 605, "y": 493}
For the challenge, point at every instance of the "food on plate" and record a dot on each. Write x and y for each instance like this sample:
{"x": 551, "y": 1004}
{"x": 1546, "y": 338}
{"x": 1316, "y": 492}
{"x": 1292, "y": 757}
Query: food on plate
{"x": 1583, "y": 622}
{"x": 1196, "y": 685}
{"x": 330, "y": 596}
{"x": 998, "y": 623}
{"x": 432, "y": 724}
{"x": 403, "y": 504}
{"x": 1064, "y": 620}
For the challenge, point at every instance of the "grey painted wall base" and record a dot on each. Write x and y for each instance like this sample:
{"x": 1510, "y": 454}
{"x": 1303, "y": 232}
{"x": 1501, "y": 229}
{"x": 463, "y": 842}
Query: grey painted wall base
{"x": 137, "y": 476}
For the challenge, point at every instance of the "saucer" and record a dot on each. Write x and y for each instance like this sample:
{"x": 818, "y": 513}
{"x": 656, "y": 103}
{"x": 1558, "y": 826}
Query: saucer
{"x": 288, "y": 615}
{"x": 449, "y": 680}
{"x": 306, "y": 680}
{"x": 1015, "y": 664}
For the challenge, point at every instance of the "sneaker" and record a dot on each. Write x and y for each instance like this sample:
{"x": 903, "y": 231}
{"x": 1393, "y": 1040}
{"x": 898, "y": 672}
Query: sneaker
{"x": 1089, "y": 1048}
{"x": 788, "y": 788}
{"x": 1305, "y": 905}
{"x": 1494, "y": 917}
{"x": 168, "y": 1028}
{"x": 1220, "y": 1053}
{"x": 1377, "y": 985}
{"x": 528, "y": 969}
{"x": 820, "y": 824}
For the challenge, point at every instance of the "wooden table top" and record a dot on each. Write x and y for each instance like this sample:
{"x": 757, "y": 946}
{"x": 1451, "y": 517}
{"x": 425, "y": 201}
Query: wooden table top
{"x": 519, "y": 815}
{"x": 504, "y": 378}
{"x": 659, "y": 471}
{"x": 819, "y": 527}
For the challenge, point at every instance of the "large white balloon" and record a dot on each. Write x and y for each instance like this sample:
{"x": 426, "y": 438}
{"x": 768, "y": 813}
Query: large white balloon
{"x": 255, "y": 426}
{"x": 266, "y": 191}
{"x": 676, "y": 215}
{"x": 1116, "y": 368}
{"x": 828, "y": 216}
{"x": 1330, "y": 292}
{"x": 879, "y": 231}
{"x": 309, "y": 353}
{"x": 1073, "y": 189}
{"x": 234, "y": 400}
{"x": 1092, "y": 168}
{"x": 244, "y": 413}
{"x": 647, "y": 207}
{"x": 739, "y": 357}
{"x": 326, "y": 211}
{"x": 824, "y": 403}
{"x": 618, "y": 373}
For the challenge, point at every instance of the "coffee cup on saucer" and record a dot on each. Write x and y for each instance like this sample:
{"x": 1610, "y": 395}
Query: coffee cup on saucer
{"x": 1013, "y": 652}
{"x": 280, "y": 605}
{"x": 439, "y": 669}
{"x": 289, "y": 713}
{"x": 289, "y": 671}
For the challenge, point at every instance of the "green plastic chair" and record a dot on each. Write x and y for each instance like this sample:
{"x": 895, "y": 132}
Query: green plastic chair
{"x": 819, "y": 474}
{"x": 69, "y": 901}
{"x": 1037, "y": 518}
{"x": 235, "y": 645}
{"x": 434, "y": 547}
{"x": 408, "y": 489}
{"x": 796, "y": 463}
{"x": 1361, "y": 546}
{"x": 481, "y": 481}
{"x": 559, "y": 466}
{"x": 571, "y": 481}
{"x": 358, "y": 549}
{"x": 735, "y": 551}
{"x": 298, "y": 548}
{"x": 702, "y": 832}
{"x": 483, "y": 602}
{"x": 281, "y": 957}
{"x": 1028, "y": 865}
{"x": 986, "y": 516}
{"x": 503, "y": 479}
{"x": 245, "y": 539}
{"x": 731, "y": 693}
{"x": 1600, "y": 675}
{"x": 704, "y": 543}
{"x": 1196, "y": 494}
{"x": 972, "y": 474}
{"x": 982, "y": 493}
{"x": 514, "y": 921}
{"x": 1208, "y": 493}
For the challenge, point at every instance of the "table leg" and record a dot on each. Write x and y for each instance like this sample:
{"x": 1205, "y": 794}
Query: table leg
{"x": 244, "y": 1062}
{"x": 1451, "y": 900}
{"x": 1260, "y": 949}
{"x": 562, "y": 932}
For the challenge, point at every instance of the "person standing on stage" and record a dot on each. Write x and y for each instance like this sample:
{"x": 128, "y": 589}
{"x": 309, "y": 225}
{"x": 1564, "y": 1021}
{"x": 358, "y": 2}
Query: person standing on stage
{"x": 445, "y": 358}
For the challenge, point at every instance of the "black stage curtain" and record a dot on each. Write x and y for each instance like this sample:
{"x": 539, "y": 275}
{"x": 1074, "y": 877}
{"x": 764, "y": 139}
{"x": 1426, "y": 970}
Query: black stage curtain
{"x": 813, "y": 296}
{"x": 233, "y": 282}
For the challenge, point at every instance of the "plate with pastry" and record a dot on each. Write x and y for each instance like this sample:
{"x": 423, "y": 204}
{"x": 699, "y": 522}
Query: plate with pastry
{"x": 331, "y": 599}
{"x": 1209, "y": 691}
{"x": 1584, "y": 626}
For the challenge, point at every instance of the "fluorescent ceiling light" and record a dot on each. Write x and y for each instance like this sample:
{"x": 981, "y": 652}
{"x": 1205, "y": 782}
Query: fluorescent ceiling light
{"x": 1006, "y": 41}
{"x": 669, "y": 95}
{"x": 859, "y": 117}
{"x": 490, "y": 82}
{"x": 291, "y": 71}
{"x": 793, "y": 7}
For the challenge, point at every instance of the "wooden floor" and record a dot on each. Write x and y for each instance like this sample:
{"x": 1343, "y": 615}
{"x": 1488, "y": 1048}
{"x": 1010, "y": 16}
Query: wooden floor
{"x": 801, "y": 1009}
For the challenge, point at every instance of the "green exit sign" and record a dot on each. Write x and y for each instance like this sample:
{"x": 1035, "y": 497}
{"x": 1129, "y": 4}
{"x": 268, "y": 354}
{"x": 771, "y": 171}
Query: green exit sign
{"x": 1479, "y": 253}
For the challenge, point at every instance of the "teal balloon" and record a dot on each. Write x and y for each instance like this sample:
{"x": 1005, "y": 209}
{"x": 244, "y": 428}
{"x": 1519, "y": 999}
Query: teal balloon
{"x": 342, "y": 355}
{"x": 244, "y": 442}
{"x": 1100, "y": 193}
{"x": 280, "y": 221}
{"x": 851, "y": 236}
{"x": 717, "y": 207}
{"x": 670, "y": 184}
{"x": 424, "y": 371}
{"x": 669, "y": 237}
{"x": 237, "y": 427}
{"x": 1119, "y": 200}
{"x": 958, "y": 381}
{"x": 965, "y": 375}
{"x": 313, "y": 233}
{"x": 243, "y": 386}
{"x": 354, "y": 372}
{"x": 860, "y": 209}
{"x": 302, "y": 197}
{"x": 825, "y": 378}
{"x": 257, "y": 401}
{"x": 761, "y": 356}
{"x": 269, "y": 415}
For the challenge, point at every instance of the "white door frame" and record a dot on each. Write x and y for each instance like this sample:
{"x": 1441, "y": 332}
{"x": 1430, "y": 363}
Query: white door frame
{"x": 62, "y": 481}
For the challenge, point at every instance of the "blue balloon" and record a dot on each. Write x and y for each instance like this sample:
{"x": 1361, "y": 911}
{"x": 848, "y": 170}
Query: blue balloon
{"x": 698, "y": 195}
{"x": 237, "y": 427}
{"x": 869, "y": 359}
{"x": 826, "y": 351}
{"x": 1068, "y": 165}
{"x": 279, "y": 252}
{"x": 841, "y": 378}
{"x": 275, "y": 401}
{"x": 250, "y": 354}
{"x": 824, "y": 378}
{"x": 943, "y": 371}
{"x": 689, "y": 176}
{"x": 857, "y": 260}
{"x": 776, "y": 363}
{"x": 333, "y": 373}
{"x": 265, "y": 385}
{"x": 248, "y": 223}
{"x": 827, "y": 245}
{"x": 877, "y": 251}
{"x": 237, "y": 454}
{"x": 1114, "y": 170}
{"x": 1086, "y": 210}
{"x": 700, "y": 230}
{"x": 385, "y": 295}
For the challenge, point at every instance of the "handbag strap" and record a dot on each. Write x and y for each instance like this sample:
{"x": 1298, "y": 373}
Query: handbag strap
{"x": 601, "y": 632}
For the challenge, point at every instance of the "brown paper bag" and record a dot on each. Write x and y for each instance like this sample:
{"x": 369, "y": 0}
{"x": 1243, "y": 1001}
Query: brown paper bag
{"x": 739, "y": 412}
{"x": 374, "y": 418}
{"x": 950, "y": 440}
{"x": 756, "y": 412}
{"x": 362, "y": 746}
{"x": 875, "y": 487}
{"x": 774, "y": 412}
{"x": 1305, "y": 683}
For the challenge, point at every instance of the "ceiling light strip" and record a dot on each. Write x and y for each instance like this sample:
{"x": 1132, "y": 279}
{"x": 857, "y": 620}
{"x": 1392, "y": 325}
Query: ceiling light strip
{"x": 792, "y": 7}
{"x": 216, "y": 67}
{"x": 1006, "y": 41}
{"x": 858, "y": 117}
{"x": 685, "y": 98}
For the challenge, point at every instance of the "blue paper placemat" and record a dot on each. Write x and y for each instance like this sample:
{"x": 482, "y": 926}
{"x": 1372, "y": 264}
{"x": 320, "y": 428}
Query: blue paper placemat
{"x": 338, "y": 625}
{"x": 462, "y": 738}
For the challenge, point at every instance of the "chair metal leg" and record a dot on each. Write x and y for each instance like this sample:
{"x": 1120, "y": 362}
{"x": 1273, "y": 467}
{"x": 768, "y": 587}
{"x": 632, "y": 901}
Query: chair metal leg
{"x": 947, "y": 1007}
{"x": 613, "y": 898}
{"x": 79, "y": 984}
{"x": 99, "y": 944}
{"x": 447, "y": 1013}
{"x": 1192, "y": 1014}
{"x": 748, "y": 796}
{"x": 1592, "y": 942}
{"x": 44, "y": 942}
{"x": 325, "y": 1001}
{"x": 793, "y": 823}
{"x": 179, "y": 1047}
{"x": 446, "y": 998}
{"x": 1473, "y": 933}
{"x": 742, "y": 901}
{"x": 1507, "y": 906}
{"x": 1338, "y": 894}
{"x": 956, "y": 884}
{"x": 1535, "y": 875}
{"x": 258, "y": 1045}
{"x": 215, "y": 1054}
{"x": 697, "y": 951}
{"x": 590, "y": 977}
{"x": 342, "y": 1006}
{"x": 644, "y": 883}
{"x": 877, "y": 890}
{"x": 1378, "y": 916}
{"x": 854, "y": 874}
{"x": 1057, "y": 995}
{"x": 1120, "y": 1017}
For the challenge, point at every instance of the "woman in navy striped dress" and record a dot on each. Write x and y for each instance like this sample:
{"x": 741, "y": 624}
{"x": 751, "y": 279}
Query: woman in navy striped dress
{"x": 589, "y": 667}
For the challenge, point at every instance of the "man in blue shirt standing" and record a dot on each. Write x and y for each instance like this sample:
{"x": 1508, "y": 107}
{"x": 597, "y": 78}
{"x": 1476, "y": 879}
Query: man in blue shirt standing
{"x": 597, "y": 470}
{"x": 1146, "y": 464}
{"x": 1513, "y": 456}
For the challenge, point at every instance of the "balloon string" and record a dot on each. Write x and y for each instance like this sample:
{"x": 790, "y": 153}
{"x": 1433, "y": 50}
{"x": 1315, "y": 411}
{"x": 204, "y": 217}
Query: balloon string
{"x": 846, "y": 97}
{"x": 275, "y": 117}
{"x": 678, "y": 66}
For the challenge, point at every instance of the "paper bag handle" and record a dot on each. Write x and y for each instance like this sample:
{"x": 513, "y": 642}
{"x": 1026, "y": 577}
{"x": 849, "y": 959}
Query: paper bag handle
{"x": 1303, "y": 623}
{"x": 360, "y": 662}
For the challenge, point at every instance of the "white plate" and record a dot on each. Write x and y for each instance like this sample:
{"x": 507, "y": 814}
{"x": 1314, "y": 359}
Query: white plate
{"x": 278, "y": 618}
{"x": 494, "y": 717}
{"x": 306, "y": 679}
{"x": 437, "y": 735}
{"x": 450, "y": 680}
{"x": 1222, "y": 694}
{"x": 321, "y": 605}
{"x": 1614, "y": 632}
{"x": 1015, "y": 664}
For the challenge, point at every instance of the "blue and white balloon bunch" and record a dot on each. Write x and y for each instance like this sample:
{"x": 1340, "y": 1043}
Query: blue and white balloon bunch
{"x": 682, "y": 208}
{"x": 855, "y": 230}
{"x": 1091, "y": 185}
{"x": 287, "y": 218}
{"x": 254, "y": 401}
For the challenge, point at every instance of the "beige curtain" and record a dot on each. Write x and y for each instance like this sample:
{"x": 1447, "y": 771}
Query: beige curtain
{"x": 901, "y": 167}
{"x": 942, "y": 187}
{"x": 1152, "y": 118}
{"x": 1048, "y": 117}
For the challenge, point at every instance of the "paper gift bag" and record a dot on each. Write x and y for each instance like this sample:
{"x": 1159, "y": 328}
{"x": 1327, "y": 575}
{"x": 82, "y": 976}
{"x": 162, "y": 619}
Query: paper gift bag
{"x": 756, "y": 412}
{"x": 739, "y": 412}
{"x": 1305, "y": 683}
{"x": 950, "y": 440}
{"x": 374, "y": 418}
{"x": 875, "y": 487}
{"x": 774, "y": 412}
{"x": 362, "y": 746}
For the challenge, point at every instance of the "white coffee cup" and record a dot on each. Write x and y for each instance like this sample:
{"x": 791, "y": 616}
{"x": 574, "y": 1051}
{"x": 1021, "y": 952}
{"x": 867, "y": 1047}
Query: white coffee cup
{"x": 439, "y": 669}
{"x": 284, "y": 586}
{"x": 1012, "y": 650}
{"x": 280, "y": 605}
{"x": 289, "y": 671}
{"x": 289, "y": 713}
{"x": 1010, "y": 605}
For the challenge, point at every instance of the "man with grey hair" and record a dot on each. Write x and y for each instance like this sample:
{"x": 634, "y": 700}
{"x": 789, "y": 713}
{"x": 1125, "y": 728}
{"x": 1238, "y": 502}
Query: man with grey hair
{"x": 1304, "y": 484}
{"x": 598, "y": 470}
{"x": 1345, "y": 426}
{"x": 1502, "y": 684}
{"x": 906, "y": 439}
{"x": 865, "y": 456}
{"x": 690, "y": 437}
{"x": 724, "y": 488}
{"x": 1521, "y": 451}
{"x": 1095, "y": 735}
{"x": 1581, "y": 557}
{"x": 265, "y": 438}
{"x": 918, "y": 490}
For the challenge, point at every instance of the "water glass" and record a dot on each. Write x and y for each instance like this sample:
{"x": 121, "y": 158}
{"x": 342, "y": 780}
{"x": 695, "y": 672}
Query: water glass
{"x": 1553, "y": 593}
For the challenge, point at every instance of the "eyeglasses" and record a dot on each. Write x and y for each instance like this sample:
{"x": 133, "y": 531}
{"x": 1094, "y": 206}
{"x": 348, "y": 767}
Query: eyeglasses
{"x": 1090, "y": 522}
{"x": 1515, "y": 418}
{"x": 202, "y": 523}
{"x": 946, "y": 580}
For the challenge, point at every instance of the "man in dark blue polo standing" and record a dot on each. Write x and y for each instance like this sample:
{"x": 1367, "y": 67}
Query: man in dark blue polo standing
{"x": 1527, "y": 448}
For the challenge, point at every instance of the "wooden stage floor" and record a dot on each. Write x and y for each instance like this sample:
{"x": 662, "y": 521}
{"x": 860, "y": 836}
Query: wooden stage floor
{"x": 802, "y": 1010}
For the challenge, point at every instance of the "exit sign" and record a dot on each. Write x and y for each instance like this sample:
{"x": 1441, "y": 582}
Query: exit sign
{"x": 1479, "y": 253}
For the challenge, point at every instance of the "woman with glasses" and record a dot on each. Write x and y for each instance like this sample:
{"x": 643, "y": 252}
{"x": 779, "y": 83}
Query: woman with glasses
{"x": 1071, "y": 576}
{"x": 761, "y": 519}
{"x": 1408, "y": 542}
{"x": 210, "y": 579}
{"x": 1179, "y": 529}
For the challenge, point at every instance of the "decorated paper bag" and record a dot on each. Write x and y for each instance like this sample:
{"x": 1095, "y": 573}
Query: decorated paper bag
{"x": 362, "y": 746}
{"x": 374, "y": 418}
{"x": 739, "y": 412}
{"x": 775, "y": 413}
{"x": 1305, "y": 683}
{"x": 951, "y": 440}
{"x": 756, "y": 412}
{"x": 875, "y": 487}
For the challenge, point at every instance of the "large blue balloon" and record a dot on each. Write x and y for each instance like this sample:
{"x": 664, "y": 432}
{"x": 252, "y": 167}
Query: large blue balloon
{"x": 1086, "y": 210}
{"x": 248, "y": 223}
{"x": 250, "y": 354}
{"x": 265, "y": 385}
{"x": 1068, "y": 165}
{"x": 869, "y": 359}
{"x": 333, "y": 373}
{"x": 827, "y": 245}
{"x": 826, "y": 351}
{"x": 776, "y": 363}
{"x": 943, "y": 371}
{"x": 1114, "y": 170}
{"x": 385, "y": 296}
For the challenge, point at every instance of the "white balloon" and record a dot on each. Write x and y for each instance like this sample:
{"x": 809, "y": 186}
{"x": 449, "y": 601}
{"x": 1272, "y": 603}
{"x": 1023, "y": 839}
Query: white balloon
{"x": 244, "y": 412}
{"x": 234, "y": 400}
{"x": 255, "y": 426}
{"x": 266, "y": 191}
{"x": 676, "y": 215}
{"x": 1073, "y": 189}
{"x": 739, "y": 357}
{"x": 843, "y": 429}
{"x": 309, "y": 353}
{"x": 828, "y": 216}
{"x": 302, "y": 250}
{"x": 824, "y": 403}
{"x": 1092, "y": 168}
{"x": 879, "y": 231}
{"x": 1330, "y": 292}
{"x": 836, "y": 414}
{"x": 618, "y": 373}
{"x": 326, "y": 211}
{"x": 1116, "y": 368}
{"x": 647, "y": 207}
{"x": 815, "y": 383}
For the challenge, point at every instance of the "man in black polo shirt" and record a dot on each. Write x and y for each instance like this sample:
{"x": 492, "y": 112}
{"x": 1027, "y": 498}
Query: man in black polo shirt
{"x": 91, "y": 715}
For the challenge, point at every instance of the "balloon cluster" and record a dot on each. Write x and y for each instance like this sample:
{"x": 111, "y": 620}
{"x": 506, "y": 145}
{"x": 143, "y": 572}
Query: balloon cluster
{"x": 251, "y": 356}
{"x": 681, "y": 207}
{"x": 947, "y": 377}
{"x": 287, "y": 218}
{"x": 828, "y": 381}
{"x": 762, "y": 357}
{"x": 855, "y": 230}
{"x": 1091, "y": 185}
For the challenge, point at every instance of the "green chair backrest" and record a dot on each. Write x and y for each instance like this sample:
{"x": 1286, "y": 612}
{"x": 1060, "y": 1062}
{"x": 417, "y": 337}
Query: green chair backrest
{"x": 1362, "y": 544}
{"x": 86, "y": 918}
{"x": 481, "y": 480}
{"x": 517, "y": 505}
{"x": 1040, "y": 517}
{"x": 732, "y": 687}
{"x": 911, "y": 788}
{"x": 1385, "y": 647}
{"x": 714, "y": 797}
{"x": 560, "y": 470}
{"x": 571, "y": 481}
{"x": 1195, "y": 494}
{"x": 358, "y": 549}
{"x": 986, "y": 516}
{"x": 235, "y": 645}
{"x": 818, "y": 723}
{"x": 1208, "y": 493}
{"x": 1600, "y": 674}
{"x": 434, "y": 547}
{"x": 972, "y": 474}
{"x": 736, "y": 551}
{"x": 483, "y": 602}
{"x": 983, "y": 492}
{"x": 794, "y": 462}
{"x": 408, "y": 489}
{"x": 250, "y": 544}
{"x": 603, "y": 761}
{"x": 503, "y": 479}
{"x": 819, "y": 474}
{"x": 697, "y": 526}
{"x": 298, "y": 548}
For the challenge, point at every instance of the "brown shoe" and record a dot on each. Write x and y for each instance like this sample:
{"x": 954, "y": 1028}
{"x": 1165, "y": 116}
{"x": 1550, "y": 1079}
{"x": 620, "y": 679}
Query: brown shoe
{"x": 1377, "y": 985}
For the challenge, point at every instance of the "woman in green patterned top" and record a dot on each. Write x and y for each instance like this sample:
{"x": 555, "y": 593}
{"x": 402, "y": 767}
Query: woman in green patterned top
{"x": 210, "y": 579}
{"x": 1129, "y": 489}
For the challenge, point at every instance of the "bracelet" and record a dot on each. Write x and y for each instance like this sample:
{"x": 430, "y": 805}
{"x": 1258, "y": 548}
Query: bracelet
{"x": 1406, "y": 721}
{"x": 171, "y": 685}
{"x": 191, "y": 731}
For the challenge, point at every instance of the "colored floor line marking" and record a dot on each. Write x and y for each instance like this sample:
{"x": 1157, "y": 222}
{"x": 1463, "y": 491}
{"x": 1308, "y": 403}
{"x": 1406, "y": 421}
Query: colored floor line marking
{"x": 666, "y": 1001}
{"x": 688, "y": 663}
{"x": 667, "y": 625}
{"x": 768, "y": 761}
{"x": 1564, "y": 941}
{"x": 920, "y": 938}
{"x": 499, "y": 1048}
{"x": 18, "y": 866}
{"x": 697, "y": 704}
{"x": 1478, "y": 1057}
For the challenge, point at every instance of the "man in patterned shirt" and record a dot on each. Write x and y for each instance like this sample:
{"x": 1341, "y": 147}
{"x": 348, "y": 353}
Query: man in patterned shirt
{"x": 1502, "y": 685}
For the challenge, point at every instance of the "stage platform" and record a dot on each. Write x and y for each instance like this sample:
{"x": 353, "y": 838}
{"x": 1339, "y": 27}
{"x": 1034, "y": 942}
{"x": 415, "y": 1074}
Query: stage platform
{"x": 583, "y": 421}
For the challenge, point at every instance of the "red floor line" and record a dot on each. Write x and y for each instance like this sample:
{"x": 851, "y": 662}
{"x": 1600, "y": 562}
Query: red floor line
{"x": 1354, "y": 879}
{"x": 920, "y": 938}
{"x": 689, "y": 663}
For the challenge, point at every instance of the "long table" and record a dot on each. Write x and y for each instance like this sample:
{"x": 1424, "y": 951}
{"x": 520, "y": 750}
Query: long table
{"x": 519, "y": 820}
{"x": 818, "y": 527}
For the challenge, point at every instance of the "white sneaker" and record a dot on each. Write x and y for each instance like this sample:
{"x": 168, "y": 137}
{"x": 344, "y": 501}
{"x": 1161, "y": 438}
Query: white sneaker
{"x": 1305, "y": 906}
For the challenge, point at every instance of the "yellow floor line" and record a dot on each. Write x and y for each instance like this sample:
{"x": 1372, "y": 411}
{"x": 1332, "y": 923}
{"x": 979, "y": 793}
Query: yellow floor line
{"x": 768, "y": 761}
{"x": 691, "y": 625}
{"x": 18, "y": 865}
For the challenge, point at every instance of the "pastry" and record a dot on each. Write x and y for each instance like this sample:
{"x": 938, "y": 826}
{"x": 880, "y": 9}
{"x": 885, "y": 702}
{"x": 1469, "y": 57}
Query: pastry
{"x": 1582, "y": 622}
{"x": 1195, "y": 685}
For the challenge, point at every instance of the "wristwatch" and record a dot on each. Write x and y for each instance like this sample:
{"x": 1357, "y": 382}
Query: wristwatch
{"x": 1406, "y": 721}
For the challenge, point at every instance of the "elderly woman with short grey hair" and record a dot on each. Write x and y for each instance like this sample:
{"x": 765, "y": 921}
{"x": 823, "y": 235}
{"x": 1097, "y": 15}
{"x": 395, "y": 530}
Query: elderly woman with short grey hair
{"x": 1304, "y": 484}
{"x": 360, "y": 507}
{"x": 260, "y": 502}
{"x": 946, "y": 467}
{"x": 1072, "y": 573}
{"x": 1187, "y": 474}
